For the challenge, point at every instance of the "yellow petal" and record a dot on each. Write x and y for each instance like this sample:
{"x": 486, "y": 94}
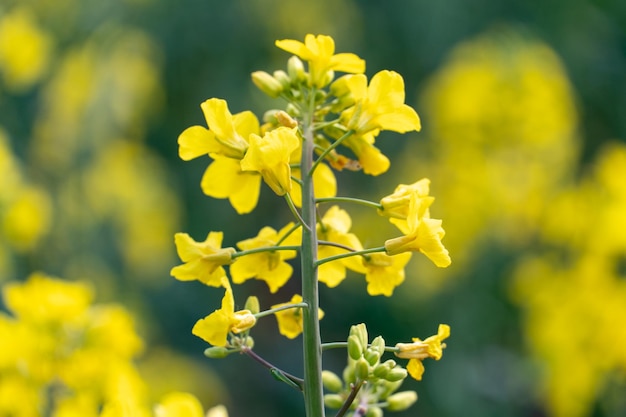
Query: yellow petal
{"x": 213, "y": 328}
{"x": 196, "y": 141}
{"x": 415, "y": 368}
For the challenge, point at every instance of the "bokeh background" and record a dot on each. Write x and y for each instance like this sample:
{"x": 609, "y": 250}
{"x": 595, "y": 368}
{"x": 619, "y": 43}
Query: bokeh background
{"x": 523, "y": 106}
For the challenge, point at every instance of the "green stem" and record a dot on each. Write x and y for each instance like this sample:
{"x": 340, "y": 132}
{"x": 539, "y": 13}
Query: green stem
{"x": 327, "y": 151}
{"x": 281, "y": 308}
{"x": 297, "y": 382}
{"x": 294, "y": 211}
{"x": 349, "y": 200}
{"x": 348, "y": 254}
{"x": 263, "y": 249}
{"x": 313, "y": 388}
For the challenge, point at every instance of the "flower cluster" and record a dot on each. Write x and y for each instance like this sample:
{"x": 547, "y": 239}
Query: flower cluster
{"x": 329, "y": 124}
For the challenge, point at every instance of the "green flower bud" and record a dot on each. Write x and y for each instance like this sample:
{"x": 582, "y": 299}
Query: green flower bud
{"x": 388, "y": 387}
{"x": 374, "y": 412}
{"x": 331, "y": 381}
{"x": 396, "y": 374}
{"x": 216, "y": 352}
{"x": 355, "y": 349}
{"x": 333, "y": 401}
{"x": 295, "y": 68}
{"x": 361, "y": 369}
{"x": 249, "y": 342}
{"x": 266, "y": 83}
{"x": 252, "y": 304}
{"x": 361, "y": 331}
{"x": 270, "y": 116}
{"x": 379, "y": 344}
{"x": 381, "y": 370}
{"x": 372, "y": 356}
{"x": 400, "y": 401}
{"x": 282, "y": 77}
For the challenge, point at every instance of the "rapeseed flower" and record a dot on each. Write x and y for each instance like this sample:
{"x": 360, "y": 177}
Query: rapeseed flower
{"x": 270, "y": 265}
{"x": 334, "y": 227}
{"x": 226, "y": 141}
{"x": 423, "y": 235}
{"x": 270, "y": 156}
{"x": 289, "y": 321}
{"x": 416, "y": 352}
{"x": 215, "y": 327}
{"x": 319, "y": 52}
{"x": 396, "y": 205}
{"x": 383, "y": 273}
{"x": 202, "y": 260}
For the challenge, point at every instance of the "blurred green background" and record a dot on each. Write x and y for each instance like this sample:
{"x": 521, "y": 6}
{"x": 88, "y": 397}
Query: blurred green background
{"x": 523, "y": 107}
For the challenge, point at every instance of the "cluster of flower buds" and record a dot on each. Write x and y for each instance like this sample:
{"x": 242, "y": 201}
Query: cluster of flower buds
{"x": 369, "y": 385}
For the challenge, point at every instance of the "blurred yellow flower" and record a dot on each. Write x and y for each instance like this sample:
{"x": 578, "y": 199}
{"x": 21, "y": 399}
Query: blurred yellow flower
{"x": 202, "y": 260}
{"x": 334, "y": 227}
{"x": 269, "y": 266}
{"x": 319, "y": 51}
{"x": 416, "y": 352}
{"x": 290, "y": 320}
{"x": 270, "y": 156}
{"x": 25, "y": 50}
{"x": 215, "y": 327}
{"x": 178, "y": 404}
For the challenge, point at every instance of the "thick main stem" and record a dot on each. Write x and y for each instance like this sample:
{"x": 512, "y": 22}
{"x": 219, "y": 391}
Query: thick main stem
{"x": 313, "y": 390}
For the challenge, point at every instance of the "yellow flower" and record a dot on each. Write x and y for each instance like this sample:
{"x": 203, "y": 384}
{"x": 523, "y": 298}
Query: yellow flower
{"x": 226, "y": 141}
{"x": 379, "y": 106}
{"x": 396, "y": 205}
{"x": 178, "y": 404}
{"x": 215, "y": 327}
{"x": 420, "y": 350}
{"x": 268, "y": 266}
{"x": 45, "y": 299}
{"x": 383, "y": 273}
{"x": 371, "y": 159}
{"x": 290, "y": 320}
{"x": 269, "y": 155}
{"x": 423, "y": 235}
{"x": 319, "y": 51}
{"x": 334, "y": 228}
{"x": 202, "y": 260}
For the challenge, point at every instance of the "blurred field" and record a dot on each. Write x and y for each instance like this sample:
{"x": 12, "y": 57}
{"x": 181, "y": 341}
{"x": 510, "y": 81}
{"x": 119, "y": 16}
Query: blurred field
{"x": 524, "y": 141}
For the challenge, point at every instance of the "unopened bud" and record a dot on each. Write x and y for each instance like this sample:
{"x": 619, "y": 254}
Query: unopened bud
{"x": 333, "y": 401}
{"x": 374, "y": 412}
{"x": 285, "y": 119}
{"x": 355, "y": 349}
{"x": 372, "y": 356}
{"x": 361, "y": 369}
{"x": 252, "y": 304}
{"x": 400, "y": 401}
{"x": 348, "y": 373}
{"x": 380, "y": 371}
{"x": 361, "y": 331}
{"x": 266, "y": 83}
{"x": 282, "y": 77}
{"x": 331, "y": 381}
{"x": 216, "y": 352}
{"x": 378, "y": 344}
{"x": 396, "y": 374}
{"x": 295, "y": 68}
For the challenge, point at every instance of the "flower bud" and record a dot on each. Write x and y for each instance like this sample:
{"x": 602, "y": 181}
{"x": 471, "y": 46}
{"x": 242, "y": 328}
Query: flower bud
{"x": 282, "y": 77}
{"x": 331, "y": 381}
{"x": 252, "y": 304}
{"x": 361, "y": 331}
{"x": 355, "y": 349}
{"x": 372, "y": 356}
{"x": 333, "y": 401}
{"x": 361, "y": 369}
{"x": 295, "y": 68}
{"x": 396, "y": 374}
{"x": 348, "y": 373}
{"x": 381, "y": 371}
{"x": 400, "y": 401}
{"x": 378, "y": 344}
{"x": 285, "y": 119}
{"x": 249, "y": 342}
{"x": 216, "y": 352}
{"x": 374, "y": 412}
{"x": 266, "y": 83}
